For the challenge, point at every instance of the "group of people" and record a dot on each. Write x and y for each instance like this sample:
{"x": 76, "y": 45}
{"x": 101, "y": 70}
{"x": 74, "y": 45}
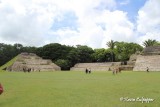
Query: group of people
{"x": 27, "y": 69}
{"x": 88, "y": 71}
{"x": 116, "y": 70}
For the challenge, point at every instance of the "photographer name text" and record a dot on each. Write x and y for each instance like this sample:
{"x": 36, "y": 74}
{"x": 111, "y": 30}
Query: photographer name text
{"x": 138, "y": 99}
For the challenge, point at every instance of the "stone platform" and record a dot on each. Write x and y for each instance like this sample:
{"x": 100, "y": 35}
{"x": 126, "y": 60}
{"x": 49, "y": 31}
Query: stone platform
{"x": 150, "y": 61}
{"x": 106, "y": 66}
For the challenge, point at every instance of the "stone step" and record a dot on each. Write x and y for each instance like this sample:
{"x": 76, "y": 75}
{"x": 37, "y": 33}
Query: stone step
{"x": 92, "y": 69}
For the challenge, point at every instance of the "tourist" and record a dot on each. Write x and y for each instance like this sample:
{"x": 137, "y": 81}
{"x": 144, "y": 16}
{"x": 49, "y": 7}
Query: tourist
{"x": 109, "y": 69}
{"x": 147, "y": 69}
{"x": 113, "y": 70}
{"x": 86, "y": 70}
{"x": 89, "y": 70}
{"x": 1, "y": 89}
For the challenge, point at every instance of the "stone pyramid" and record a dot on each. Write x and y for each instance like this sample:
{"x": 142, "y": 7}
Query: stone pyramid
{"x": 32, "y": 62}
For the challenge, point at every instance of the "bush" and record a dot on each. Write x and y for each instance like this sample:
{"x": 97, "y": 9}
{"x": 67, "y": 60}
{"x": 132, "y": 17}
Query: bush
{"x": 64, "y": 64}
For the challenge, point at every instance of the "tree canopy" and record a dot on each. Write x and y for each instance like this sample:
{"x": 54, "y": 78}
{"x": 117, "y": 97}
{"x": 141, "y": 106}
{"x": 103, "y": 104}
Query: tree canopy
{"x": 111, "y": 44}
{"x": 150, "y": 42}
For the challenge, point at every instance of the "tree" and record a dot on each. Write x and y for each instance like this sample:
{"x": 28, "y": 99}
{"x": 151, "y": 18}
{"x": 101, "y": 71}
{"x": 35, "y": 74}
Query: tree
{"x": 7, "y": 52}
{"x": 123, "y": 50}
{"x": 149, "y": 42}
{"x": 54, "y": 51}
{"x": 101, "y": 55}
{"x": 73, "y": 57}
{"x": 18, "y": 46}
{"x": 30, "y": 49}
{"x": 84, "y": 53}
{"x": 111, "y": 45}
{"x": 64, "y": 64}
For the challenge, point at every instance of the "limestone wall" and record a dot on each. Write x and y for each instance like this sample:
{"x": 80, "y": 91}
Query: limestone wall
{"x": 152, "y": 50}
{"x": 106, "y": 66}
{"x": 152, "y": 62}
{"x": 93, "y": 64}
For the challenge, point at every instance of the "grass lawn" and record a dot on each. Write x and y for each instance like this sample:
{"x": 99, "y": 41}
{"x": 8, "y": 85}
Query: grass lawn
{"x": 77, "y": 89}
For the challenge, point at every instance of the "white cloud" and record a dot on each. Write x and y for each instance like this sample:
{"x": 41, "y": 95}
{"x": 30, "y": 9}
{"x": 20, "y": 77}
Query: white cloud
{"x": 91, "y": 33}
{"x": 148, "y": 23}
{"x": 30, "y": 22}
{"x": 125, "y": 2}
{"x": 118, "y": 27}
{"x": 25, "y": 22}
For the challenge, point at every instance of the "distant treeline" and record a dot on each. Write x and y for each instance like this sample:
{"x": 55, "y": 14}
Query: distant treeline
{"x": 67, "y": 56}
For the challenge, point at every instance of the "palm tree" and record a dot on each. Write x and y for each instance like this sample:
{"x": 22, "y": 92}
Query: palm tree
{"x": 111, "y": 45}
{"x": 149, "y": 42}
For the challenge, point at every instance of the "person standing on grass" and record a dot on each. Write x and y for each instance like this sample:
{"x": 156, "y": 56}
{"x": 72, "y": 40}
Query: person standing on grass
{"x": 89, "y": 70}
{"x": 147, "y": 69}
{"x": 113, "y": 71}
{"x": 1, "y": 89}
{"x": 86, "y": 71}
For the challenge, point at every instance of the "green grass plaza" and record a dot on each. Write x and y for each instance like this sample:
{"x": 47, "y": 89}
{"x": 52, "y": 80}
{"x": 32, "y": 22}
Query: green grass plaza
{"x": 77, "y": 89}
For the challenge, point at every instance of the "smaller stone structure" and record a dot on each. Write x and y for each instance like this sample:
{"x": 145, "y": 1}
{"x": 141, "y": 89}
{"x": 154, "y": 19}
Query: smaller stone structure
{"x": 150, "y": 59}
{"x": 104, "y": 66}
{"x": 152, "y": 50}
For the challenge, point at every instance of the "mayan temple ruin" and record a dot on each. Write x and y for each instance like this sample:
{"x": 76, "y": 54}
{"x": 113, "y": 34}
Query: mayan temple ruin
{"x": 32, "y": 62}
{"x": 138, "y": 62}
{"x": 106, "y": 66}
{"x": 150, "y": 58}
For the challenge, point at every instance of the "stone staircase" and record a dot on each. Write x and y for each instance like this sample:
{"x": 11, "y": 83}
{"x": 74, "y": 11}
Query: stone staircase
{"x": 95, "y": 66}
{"x": 150, "y": 61}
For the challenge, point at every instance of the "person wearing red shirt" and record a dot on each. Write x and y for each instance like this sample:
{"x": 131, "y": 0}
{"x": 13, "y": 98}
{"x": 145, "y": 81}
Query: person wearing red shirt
{"x": 1, "y": 89}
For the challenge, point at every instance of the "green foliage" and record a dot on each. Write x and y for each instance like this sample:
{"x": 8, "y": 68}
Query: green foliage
{"x": 8, "y": 63}
{"x": 123, "y": 50}
{"x": 64, "y": 64}
{"x": 70, "y": 55}
{"x": 73, "y": 57}
{"x": 150, "y": 42}
{"x": 84, "y": 53}
{"x": 111, "y": 44}
{"x": 55, "y": 51}
{"x": 76, "y": 89}
{"x": 7, "y": 52}
{"x": 30, "y": 49}
{"x": 101, "y": 55}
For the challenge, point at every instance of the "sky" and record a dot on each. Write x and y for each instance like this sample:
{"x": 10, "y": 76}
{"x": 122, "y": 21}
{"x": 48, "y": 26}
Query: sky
{"x": 78, "y": 22}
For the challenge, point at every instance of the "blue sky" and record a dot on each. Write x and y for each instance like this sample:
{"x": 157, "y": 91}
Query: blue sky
{"x": 131, "y": 7}
{"x": 83, "y": 22}
{"x": 69, "y": 20}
